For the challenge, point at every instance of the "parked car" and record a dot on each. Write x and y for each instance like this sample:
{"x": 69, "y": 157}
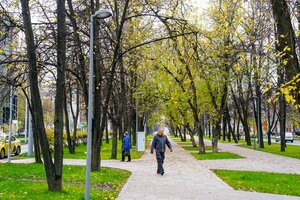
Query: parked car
{"x": 288, "y": 137}
{"x": 15, "y": 146}
{"x": 297, "y": 131}
{"x": 21, "y": 132}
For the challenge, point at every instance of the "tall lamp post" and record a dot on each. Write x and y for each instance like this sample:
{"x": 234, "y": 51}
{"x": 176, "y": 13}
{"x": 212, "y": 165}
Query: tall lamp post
{"x": 100, "y": 14}
{"x": 10, "y": 123}
{"x": 258, "y": 121}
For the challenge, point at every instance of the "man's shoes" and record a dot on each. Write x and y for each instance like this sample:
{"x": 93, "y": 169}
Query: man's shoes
{"x": 161, "y": 173}
{"x": 122, "y": 160}
{"x": 128, "y": 161}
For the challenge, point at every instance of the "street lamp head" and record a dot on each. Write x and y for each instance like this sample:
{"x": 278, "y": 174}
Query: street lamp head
{"x": 102, "y": 13}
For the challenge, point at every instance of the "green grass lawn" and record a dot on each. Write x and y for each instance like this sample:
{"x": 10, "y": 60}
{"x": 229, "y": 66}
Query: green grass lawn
{"x": 216, "y": 156}
{"x": 179, "y": 142}
{"x": 80, "y": 151}
{"x": 191, "y": 148}
{"x": 274, "y": 183}
{"x": 27, "y": 181}
{"x": 290, "y": 151}
{"x": 209, "y": 155}
{"x": 23, "y": 142}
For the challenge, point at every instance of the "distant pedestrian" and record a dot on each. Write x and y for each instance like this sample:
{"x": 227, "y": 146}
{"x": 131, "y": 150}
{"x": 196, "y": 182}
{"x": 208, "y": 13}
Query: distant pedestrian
{"x": 159, "y": 143}
{"x": 126, "y": 147}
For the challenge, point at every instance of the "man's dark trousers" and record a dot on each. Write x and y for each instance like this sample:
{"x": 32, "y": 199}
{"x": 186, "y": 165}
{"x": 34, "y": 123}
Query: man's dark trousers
{"x": 160, "y": 156}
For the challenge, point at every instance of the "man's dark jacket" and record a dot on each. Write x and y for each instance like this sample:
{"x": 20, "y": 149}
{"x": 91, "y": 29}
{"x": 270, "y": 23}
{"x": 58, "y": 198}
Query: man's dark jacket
{"x": 159, "y": 143}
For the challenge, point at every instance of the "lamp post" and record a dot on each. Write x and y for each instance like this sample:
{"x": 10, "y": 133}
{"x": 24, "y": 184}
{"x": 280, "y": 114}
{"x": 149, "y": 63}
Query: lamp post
{"x": 26, "y": 120}
{"x": 254, "y": 138}
{"x": 10, "y": 124}
{"x": 258, "y": 121}
{"x": 100, "y": 14}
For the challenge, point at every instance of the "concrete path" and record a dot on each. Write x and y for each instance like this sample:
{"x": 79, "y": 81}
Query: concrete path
{"x": 254, "y": 160}
{"x": 187, "y": 178}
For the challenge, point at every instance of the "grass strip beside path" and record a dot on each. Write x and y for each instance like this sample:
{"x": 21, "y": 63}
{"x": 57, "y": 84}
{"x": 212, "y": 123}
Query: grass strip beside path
{"x": 106, "y": 149}
{"x": 291, "y": 151}
{"x": 265, "y": 182}
{"x": 208, "y": 155}
{"x": 191, "y": 148}
{"x": 216, "y": 156}
{"x": 27, "y": 181}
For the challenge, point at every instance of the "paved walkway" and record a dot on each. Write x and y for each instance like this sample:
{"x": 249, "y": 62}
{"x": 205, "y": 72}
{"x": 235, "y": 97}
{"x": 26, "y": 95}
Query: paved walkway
{"x": 188, "y": 178}
{"x": 254, "y": 161}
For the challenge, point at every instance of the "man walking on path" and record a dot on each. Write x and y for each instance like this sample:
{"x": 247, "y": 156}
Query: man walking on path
{"x": 159, "y": 143}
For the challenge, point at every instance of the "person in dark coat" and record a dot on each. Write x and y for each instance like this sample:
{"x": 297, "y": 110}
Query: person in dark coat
{"x": 126, "y": 147}
{"x": 159, "y": 143}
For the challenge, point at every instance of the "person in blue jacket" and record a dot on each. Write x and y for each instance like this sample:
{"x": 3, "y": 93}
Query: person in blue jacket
{"x": 126, "y": 147}
{"x": 159, "y": 143}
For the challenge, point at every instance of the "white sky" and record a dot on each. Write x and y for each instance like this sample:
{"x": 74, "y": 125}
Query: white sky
{"x": 201, "y": 4}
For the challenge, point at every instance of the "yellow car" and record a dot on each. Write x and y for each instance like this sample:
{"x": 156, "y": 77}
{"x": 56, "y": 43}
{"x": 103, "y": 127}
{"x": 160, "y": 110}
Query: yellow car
{"x": 15, "y": 146}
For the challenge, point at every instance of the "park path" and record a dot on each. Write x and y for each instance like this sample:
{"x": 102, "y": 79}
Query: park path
{"x": 254, "y": 160}
{"x": 185, "y": 178}
{"x": 188, "y": 178}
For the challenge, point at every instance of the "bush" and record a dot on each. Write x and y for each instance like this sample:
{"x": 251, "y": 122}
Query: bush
{"x": 50, "y": 135}
{"x": 80, "y": 136}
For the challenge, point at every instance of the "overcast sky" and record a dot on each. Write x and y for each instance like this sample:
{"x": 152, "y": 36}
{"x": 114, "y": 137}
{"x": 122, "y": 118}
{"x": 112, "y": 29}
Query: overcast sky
{"x": 201, "y": 4}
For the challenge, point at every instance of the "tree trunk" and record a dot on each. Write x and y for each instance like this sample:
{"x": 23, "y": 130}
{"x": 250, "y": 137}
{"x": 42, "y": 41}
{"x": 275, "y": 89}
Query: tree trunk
{"x": 201, "y": 141}
{"x": 282, "y": 109}
{"x": 60, "y": 94}
{"x": 192, "y": 136}
{"x": 216, "y": 135}
{"x": 224, "y": 128}
{"x": 106, "y": 132}
{"x": 231, "y": 131}
{"x": 238, "y": 128}
{"x": 209, "y": 129}
{"x": 75, "y": 115}
{"x": 174, "y": 131}
{"x": 114, "y": 140}
{"x": 98, "y": 68}
{"x": 67, "y": 124}
{"x": 36, "y": 98}
{"x": 257, "y": 83}
{"x": 298, "y": 19}
{"x": 96, "y": 158}
{"x": 180, "y": 134}
{"x": 242, "y": 111}
{"x": 37, "y": 149}
{"x": 282, "y": 113}
{"x": 184, "y": 134}
{"x": 286, "y": 40}
{"x": 271, "y": 123}
{"x": 79, "y": 53}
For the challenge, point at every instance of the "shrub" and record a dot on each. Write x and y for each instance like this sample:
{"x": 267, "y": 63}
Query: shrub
{"x": 80, "y": 136}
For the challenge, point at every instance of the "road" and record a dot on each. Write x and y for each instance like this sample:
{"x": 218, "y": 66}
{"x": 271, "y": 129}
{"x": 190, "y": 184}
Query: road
{"x": 296, "y": 142}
